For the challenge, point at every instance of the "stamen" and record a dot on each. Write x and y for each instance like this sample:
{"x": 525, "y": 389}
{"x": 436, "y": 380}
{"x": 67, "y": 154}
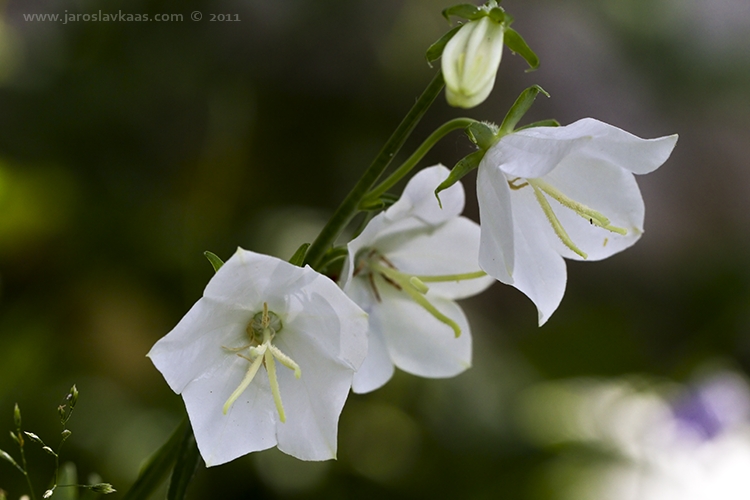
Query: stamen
{"x": 594, "y": 217}
{"x": 271, "y": 369}
{"x": 452, "y": 277}
{"x": 374, "y": 287}
{"x": 236, "y": 349}
{"x": 422, "y": 301}
{"x": 391, "y": 282}
{"x": 249, "y": 376}
{"x": 414, "y": 286}
{"x": 516, "y": 187}
{"x": 552, "y": 218}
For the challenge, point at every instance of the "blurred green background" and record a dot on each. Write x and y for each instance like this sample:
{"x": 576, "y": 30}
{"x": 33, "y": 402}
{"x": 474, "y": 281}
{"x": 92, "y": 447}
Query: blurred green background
{"x": 127, "y": 149}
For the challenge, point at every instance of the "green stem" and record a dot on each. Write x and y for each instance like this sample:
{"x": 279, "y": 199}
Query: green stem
{"x": 349, "y": 207}
{"x": 26, "y": 468}
{"x": 411, "y": 162}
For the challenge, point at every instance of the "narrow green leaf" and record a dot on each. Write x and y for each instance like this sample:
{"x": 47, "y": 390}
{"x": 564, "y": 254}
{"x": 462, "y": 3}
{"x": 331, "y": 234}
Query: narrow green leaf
{"x": 215, "y": 261}
{"x": 188, "y": 458}
{"x": 158, "y": 466}
{"x": 463, "y": 167}
{"x": 436, "y": 49}
{"x": 298, "y": 259}
{"x": 517, "y": 44}
{"x": 542, "y": 123}
{"x": 519, "y": 108}
{"x": 465, "y": 10}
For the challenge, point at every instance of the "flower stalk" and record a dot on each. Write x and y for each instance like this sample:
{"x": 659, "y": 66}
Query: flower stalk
{"x": 350, "y": 206}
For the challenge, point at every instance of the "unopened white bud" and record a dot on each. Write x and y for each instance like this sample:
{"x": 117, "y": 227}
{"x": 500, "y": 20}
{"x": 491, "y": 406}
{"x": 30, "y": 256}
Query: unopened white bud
{"x": 470, "y": 61}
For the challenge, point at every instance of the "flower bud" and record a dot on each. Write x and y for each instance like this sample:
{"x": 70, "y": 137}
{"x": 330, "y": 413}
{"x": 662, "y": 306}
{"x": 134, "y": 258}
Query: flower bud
{"x": 470, "y": 61}
{"x": 103, "y": 488}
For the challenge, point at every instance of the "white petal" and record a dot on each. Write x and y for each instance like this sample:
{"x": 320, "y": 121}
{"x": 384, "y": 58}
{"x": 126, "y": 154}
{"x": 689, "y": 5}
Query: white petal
{"x": 418, "y": 343}
{"x": 610, "y": 190}
{"x": 452, "y": 248}
{"x": 536, "y": 151}
{"x": 533, "y": 152}
{"x": 323, "y": 315}
{"x": 618, "y": 147}
{"x": 249, "y": 425}
{"x": 539, "y": 271}
{"x": 194, "y": 346}
{"x": 418, "y": 199}
{"x": 313, "y": 402}
{"x": 326, "y": 334}
{"x": 377, "y": 368}
{"x": 496, "y": 251}
{"x": 242, "y": 280}
{"x": 416, "y": 210}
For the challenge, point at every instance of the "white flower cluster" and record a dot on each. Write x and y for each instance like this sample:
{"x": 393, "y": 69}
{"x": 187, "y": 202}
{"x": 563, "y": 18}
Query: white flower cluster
{"x": 268, "y": 355}
{"x": 270, "y": 352}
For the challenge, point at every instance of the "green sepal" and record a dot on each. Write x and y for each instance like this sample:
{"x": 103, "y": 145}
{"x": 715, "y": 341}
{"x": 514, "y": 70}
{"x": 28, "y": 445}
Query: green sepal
{"x": 188, "y": 458}
{"x": 463, "y": 167}
{"x": 384, "y": 201}
{"x": 158, "y": 466}
{"x": 436, "y": 49}
{"x": 517, "y": 44}
{"x": 465, "y": 10}
{"x": 5, "y": 456}
{"x": 542, "y": 123}
{"x": 333, "y": 262}
{"x": 214, "y": 259}
{"x": 498, "y": 15}
{"x": 519, "y": 108}
{"x": 298, "y": 259}
{"x": 482, "y": 134}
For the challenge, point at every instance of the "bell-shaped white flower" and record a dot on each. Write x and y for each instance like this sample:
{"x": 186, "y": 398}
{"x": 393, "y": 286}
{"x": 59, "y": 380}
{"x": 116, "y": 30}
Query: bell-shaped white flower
{"x": 265, "y": 358}
{"x": 551, "y": 192}
{"x": 406, "y": 270}
{"x": 470, "y": 62}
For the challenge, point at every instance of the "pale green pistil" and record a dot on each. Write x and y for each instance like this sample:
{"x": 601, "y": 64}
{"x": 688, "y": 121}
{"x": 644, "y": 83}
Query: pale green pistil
{"x": 262, "y": 329}
{"x": 542, "y": 188}
{"x": 413, "y": 286}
